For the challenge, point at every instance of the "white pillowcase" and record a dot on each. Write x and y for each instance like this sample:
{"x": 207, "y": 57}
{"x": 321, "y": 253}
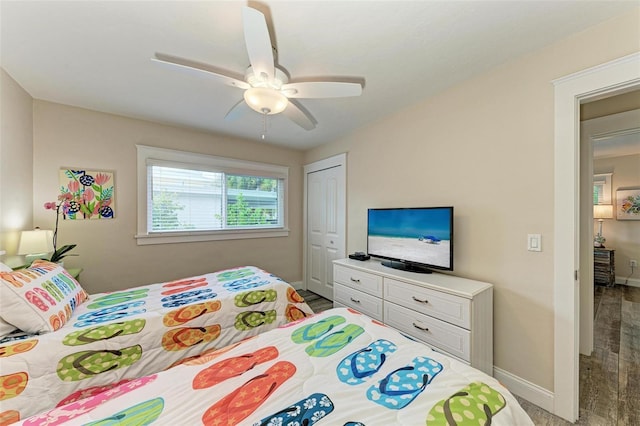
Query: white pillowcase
{"x": 40, "y": 298}
{"x": 5, "y": 327}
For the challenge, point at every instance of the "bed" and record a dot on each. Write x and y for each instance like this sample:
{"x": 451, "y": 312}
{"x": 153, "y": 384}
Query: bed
{"x": 338, "y": 367}
{"x": 78, "y": 345}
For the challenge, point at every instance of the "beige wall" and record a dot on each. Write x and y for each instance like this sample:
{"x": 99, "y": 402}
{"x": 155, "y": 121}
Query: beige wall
{"x": 77, "y": 138}
{"x": 16, "y": 163}
{"x": 622, "y": 235}
{"x": 486, "y": 147}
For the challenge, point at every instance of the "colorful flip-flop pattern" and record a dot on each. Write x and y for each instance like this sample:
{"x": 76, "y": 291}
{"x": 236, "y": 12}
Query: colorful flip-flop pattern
{"x": 112, "y": 331}
{"x": 255, "y": 297}
{"x": 334, "y": 342}
{"x": 251, "y": 319}
{"x": 67, "y": 412}
{"x": 232, "y": 367}
{"x": 244, "y": 400}
{"x": 12, "y": 385}
{"x": 181, "y": 338}
{"x": 475, "y": 404}
{"x": 104, "y": 332}
{"x": 294, "y": 313}
{"x": 81, "y": 365}
{"x": 190, "y": 312}
{"x": 307, "y": 411}
{"x": 8, "y": 350}
{"x": 360, "y": 365}
{"x": 310, "y": 332}
{"x": 138, "y": 415}
{"x": 400, "y": 387}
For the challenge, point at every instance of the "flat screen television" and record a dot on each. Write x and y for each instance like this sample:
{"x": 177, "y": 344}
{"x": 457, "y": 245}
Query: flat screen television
{"x": 416, "y": 239}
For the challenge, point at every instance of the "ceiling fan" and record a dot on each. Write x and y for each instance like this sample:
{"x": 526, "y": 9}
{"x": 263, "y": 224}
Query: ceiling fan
{"x": 266, "y": 87}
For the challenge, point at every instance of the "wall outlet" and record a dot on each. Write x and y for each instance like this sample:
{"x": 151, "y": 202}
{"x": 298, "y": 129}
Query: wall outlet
{"x": 633, "y": 263}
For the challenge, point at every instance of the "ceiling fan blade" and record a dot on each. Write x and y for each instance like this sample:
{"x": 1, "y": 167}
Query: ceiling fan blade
{"x": 321, "y": 89}
{"x": 300, "y": 116}
{"x": 237, "y": 111}
{"x": 200, "y": 68}
{"x": 258, "y": 41}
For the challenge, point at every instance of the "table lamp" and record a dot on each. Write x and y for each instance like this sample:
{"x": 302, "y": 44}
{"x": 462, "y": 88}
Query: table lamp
{"x": 36, "y": 244}
{"x": 601, "y": 212}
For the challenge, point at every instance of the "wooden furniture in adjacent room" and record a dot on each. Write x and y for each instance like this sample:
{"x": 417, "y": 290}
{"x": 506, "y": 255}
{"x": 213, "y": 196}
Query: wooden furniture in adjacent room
{"x": 451, "y": 314}
{"x": 604, "y": 270}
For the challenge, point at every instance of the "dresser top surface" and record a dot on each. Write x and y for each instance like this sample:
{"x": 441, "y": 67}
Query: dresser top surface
{"x": 446, "y": 283}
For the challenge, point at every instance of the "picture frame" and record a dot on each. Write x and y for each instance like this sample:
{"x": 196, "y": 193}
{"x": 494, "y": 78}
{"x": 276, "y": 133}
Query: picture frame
{"x": 88, "y": 194}
{"x": 628, "y": 204}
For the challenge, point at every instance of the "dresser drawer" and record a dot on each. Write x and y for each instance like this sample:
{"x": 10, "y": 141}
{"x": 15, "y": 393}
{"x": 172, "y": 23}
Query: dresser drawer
{"x": 362, "y": 281}
{"x": 447, "y": 307}
{"x": 449, "y": 338}
{"x": 358, "y": 300}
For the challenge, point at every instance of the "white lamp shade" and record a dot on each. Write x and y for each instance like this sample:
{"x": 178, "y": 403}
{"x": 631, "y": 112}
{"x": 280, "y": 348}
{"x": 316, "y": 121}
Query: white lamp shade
{"x": 603, "y": 211}
{"x": 265, "y": 100}
{"x": 36, "y": 242}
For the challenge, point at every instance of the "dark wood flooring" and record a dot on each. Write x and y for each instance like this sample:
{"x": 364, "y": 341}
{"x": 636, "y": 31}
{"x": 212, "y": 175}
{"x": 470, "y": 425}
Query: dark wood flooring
{"x": 315, "y": 302}
{"x": 610, "y": 377}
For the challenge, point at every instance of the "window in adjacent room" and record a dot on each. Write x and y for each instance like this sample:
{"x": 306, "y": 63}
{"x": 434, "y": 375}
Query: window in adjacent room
{"x": 185, "y": 197}
{"x": 602, "y": 188}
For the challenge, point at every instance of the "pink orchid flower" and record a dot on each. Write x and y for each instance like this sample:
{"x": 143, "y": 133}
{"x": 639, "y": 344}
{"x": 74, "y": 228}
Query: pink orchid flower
{"x": 50, "y": 206}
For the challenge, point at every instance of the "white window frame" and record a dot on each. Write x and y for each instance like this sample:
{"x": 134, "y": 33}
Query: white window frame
{"x": 147, "y": 154}
{"x": 603, "y": 180}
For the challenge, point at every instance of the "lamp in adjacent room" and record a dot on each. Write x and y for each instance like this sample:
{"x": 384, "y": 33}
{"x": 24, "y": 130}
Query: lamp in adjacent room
{"x": 601, "y": 212}
{"x": 36, "y": 244}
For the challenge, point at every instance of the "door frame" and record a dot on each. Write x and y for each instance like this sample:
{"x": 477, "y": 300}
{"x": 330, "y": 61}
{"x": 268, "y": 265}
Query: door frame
{"x": 327, "y": 163}
{"x": 602, "y": 81}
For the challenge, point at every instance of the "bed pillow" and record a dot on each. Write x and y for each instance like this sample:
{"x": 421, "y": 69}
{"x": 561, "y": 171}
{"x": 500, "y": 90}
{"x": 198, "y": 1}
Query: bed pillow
{"x": 5, "y": 327}
{"x": 40, "y": 298}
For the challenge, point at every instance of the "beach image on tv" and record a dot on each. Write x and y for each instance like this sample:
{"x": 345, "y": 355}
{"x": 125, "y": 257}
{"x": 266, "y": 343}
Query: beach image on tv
{"x": 414, "y": 235}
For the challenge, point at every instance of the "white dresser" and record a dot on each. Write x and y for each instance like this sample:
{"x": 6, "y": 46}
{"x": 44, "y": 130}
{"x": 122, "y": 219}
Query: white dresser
{"x": 452, "y": 315}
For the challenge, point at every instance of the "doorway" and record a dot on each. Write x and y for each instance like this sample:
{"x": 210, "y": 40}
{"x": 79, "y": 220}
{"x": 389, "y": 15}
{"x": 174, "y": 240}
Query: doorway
{"x": 609, "y": 132}
{"x": 325, "y": 222}
{"x": 595, "y": 83}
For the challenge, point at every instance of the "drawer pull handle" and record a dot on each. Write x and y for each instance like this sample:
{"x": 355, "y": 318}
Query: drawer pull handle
{"x": 420, "y": 328}
{"x": 418, "y": 300}
{"x": 355, "y": 280}
{"x": 354, "y": 300}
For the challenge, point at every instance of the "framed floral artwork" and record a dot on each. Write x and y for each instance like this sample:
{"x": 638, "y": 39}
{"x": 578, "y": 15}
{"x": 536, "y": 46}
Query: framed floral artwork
{"x": 628, "y": 204}
{"x": 87, "y": 194}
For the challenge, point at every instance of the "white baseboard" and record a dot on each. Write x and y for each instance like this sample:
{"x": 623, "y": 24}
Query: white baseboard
{"x": 533, "y": 393}
{"x": 631, "y": 282}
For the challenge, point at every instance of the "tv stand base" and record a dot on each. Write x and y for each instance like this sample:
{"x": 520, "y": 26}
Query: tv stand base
{"x": 406, "y": 267}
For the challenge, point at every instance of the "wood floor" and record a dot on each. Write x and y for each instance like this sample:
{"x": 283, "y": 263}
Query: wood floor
{"x": 610, "y": 377}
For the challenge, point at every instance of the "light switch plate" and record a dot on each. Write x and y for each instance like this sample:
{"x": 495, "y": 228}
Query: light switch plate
{"x": 534, "y": 242}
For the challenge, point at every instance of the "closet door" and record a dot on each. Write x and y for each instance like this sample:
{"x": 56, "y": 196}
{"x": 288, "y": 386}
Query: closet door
{"x": 325, "y": 227}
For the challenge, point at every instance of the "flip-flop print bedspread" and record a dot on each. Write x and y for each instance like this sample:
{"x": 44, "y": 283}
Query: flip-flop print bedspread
{"x": 115, "y": 337}
{"x": 336, "y": 368}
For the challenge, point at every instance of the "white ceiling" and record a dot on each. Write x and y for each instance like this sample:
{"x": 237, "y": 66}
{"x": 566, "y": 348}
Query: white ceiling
{"x": 96, "y": 54}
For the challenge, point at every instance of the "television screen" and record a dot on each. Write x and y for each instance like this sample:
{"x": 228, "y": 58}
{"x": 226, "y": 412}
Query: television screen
{"x": 415, "y": 238}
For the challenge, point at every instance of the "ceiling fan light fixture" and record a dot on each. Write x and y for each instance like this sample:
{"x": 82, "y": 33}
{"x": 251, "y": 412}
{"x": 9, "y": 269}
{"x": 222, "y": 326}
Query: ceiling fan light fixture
{"x": 265, "y": 100}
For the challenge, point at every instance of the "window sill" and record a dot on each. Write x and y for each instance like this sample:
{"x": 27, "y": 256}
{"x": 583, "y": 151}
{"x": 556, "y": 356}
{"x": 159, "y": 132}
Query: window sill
{"x": 191, "y": 237}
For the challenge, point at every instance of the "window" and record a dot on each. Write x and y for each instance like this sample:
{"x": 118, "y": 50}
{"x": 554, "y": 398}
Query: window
{"x": 185, "y": 197}
{"x": 602, "y": 188}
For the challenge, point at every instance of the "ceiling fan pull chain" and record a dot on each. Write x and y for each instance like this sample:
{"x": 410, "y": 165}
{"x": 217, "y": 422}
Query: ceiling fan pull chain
{"x": 265, "y": 112}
